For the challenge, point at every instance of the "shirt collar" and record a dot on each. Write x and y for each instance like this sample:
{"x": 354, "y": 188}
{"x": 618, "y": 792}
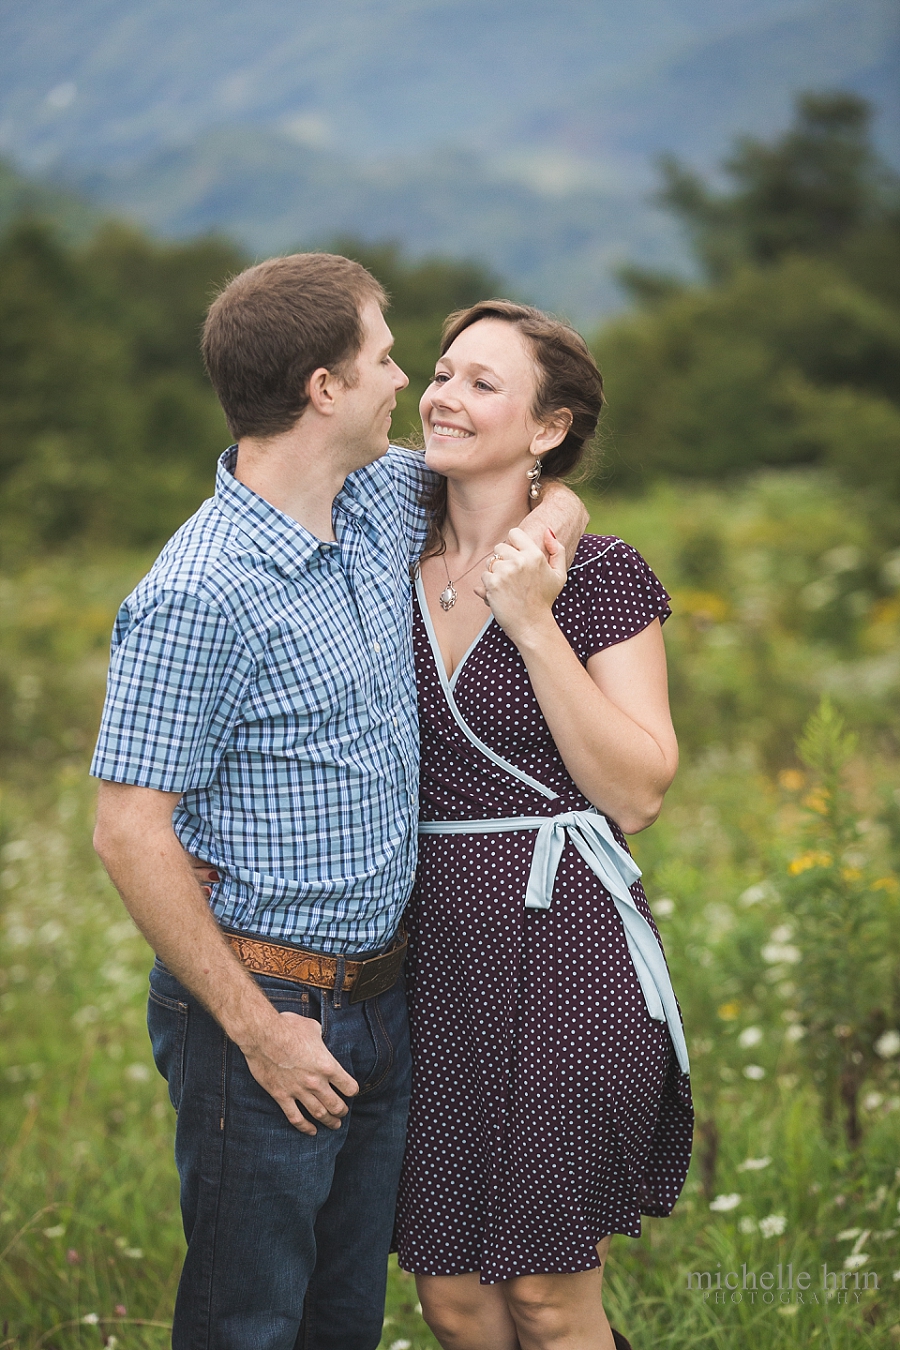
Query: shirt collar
{"x": 275, "y": 534}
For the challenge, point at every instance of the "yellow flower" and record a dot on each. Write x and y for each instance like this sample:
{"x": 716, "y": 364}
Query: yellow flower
{"x": 817, "y": 800}
{"x": 886, "y": 884}
{"x": 851, "y": 873}
{"x": 792, "y": 780}
{"x": 808, "y": 860}
{"x": 729, "y": 1011}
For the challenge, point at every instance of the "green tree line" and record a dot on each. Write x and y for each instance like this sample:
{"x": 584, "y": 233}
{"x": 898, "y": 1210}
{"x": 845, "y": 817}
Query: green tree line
{"x": 785, "y": 351}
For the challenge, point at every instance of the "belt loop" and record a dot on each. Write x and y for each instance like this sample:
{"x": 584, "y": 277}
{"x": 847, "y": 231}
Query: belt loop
{"x": 339, "y": 981}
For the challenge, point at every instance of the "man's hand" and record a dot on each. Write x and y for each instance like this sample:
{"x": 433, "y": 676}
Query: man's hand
{"x": 294, "y": 1067}
{"x": 560, "y": 511}
{"x": 165, "y": 897}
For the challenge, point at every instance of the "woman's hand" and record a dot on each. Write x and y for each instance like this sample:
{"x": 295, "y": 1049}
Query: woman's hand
{"x": 522, "y": 583}
{"x": 204, "y": 872}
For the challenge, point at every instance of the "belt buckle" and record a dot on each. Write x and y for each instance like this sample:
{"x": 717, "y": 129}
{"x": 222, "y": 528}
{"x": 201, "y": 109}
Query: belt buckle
{"x": 377, "y": 975}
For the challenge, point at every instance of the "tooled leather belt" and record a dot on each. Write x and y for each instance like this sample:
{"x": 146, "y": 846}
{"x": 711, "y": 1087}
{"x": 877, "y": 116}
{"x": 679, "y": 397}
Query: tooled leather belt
{"x": 362, "y": 979}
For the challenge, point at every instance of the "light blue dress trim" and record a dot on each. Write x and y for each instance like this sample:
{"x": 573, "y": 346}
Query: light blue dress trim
{"x": 616, "y": 869}
{"x": 451, "y": 701}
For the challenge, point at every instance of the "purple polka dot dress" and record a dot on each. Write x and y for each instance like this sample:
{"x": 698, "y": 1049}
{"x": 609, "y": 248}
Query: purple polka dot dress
{"x": 548, "y": 1108}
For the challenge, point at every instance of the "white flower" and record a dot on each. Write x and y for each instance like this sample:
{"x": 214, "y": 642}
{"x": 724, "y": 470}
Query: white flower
{"x": 773, "y": 1226}
{"x": 91, "y": 1319}
{"x": 848, "y": 1235}
{"x": 747, "y": 1225}
{"x": 754, "y": 1164}
{"x": 133, "y": 1253}
{"x": 723, "y": 1203}
{"x": 856, "y": 1260}
{"x": 56, "y": 1231}
{"x": 872, "y": 1100}
{"x": 795, "y": 1032}
{"x": 400, "y": 1345}
{"x": 763, "y": 890}
{"x": 137, "y": 1073}
{"x": 754, "y": 1071}
{"x": 663, "y": 908}
{"x": 780, "y": 953}
{"x": 750, "y": 1036}
{"x": 888, "y": 1044}
{"x": 783, "y": 933}
{"x": 895, "y": 1275}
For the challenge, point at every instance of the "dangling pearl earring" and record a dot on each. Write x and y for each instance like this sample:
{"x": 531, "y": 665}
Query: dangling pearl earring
{"x": 534, "y": 475}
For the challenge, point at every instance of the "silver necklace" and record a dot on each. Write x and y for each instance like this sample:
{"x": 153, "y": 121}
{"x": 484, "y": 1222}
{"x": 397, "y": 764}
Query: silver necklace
{"x": 448, "y": 595}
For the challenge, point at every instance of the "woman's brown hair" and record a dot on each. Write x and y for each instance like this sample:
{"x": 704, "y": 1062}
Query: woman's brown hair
{"x": 568, "y": 378}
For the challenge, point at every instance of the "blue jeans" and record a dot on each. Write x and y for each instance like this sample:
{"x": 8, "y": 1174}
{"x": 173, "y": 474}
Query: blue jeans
{"x": 288, "y": 1234}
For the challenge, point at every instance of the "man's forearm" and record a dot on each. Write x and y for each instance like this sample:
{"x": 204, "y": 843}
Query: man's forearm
{"x": 561, "y": 511}
{"x": 160, "y": 892}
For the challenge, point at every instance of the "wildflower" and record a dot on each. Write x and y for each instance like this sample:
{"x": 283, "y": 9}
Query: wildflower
{"x": 723, "y": 1203}
{"x": 137, "y": 1073}
{"x": 795, "y": 1032}
{"x": 848, "y": 1234}
{"x": 817, "y": 800}
{"x": 895, "y": 1275}
{"x": 888, "y": 1044}
{"x": 780, "y": 953}
{"x": 872, "y": 1101}
{"x": 747, "y": 1225}
{"x": 72, "y": 1257}
{"x": 805, "y": 861}
{"x": 855, "y": 1260}
{"x": 664, "y": 908}
{"x": 753, "y": 894}
{"x": 773, "y": 1226}
{"x": 111, "y": 1342}
{"x": 792, "y": 780}
{"x": 750, "y": 1036}
{"x": 90, "y": 1319}
{"x": 400, "y": 1345}
{"x": 754, "y": 1072}
{"x": 133, "y": 1253}
{"x": 886, "y": 884}
{"x": 789, "y": 1309}
{"x": 56, "y": 1231}
{"x": 783, "y": 933}
{"x": 754, "y": 1164}
{"x": 728, "y": 1011}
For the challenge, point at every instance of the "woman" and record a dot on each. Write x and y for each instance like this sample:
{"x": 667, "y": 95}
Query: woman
{"x": 550, "y": 1104}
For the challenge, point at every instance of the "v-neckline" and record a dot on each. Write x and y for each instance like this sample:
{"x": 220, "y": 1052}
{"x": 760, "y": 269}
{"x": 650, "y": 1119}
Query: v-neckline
{"x": 435, "y": 644}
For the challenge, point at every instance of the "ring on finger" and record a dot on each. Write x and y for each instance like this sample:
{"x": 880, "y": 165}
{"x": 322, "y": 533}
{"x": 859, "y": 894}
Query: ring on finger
{"x": 493, "y": 558}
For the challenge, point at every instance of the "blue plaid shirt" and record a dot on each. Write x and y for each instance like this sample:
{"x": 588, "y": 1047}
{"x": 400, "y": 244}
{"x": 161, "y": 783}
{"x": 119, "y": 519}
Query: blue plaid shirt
{"x": 268, "y": 677}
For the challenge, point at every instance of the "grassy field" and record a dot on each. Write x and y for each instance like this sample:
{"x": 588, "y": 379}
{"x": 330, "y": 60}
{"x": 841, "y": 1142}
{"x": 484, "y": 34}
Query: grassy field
{"x": 753, "y": 869}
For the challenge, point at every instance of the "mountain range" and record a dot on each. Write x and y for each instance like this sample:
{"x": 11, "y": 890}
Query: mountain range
{"x": 516, "y": 131}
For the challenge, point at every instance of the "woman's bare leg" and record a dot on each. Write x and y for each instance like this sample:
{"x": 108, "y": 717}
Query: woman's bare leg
{"x": 560, "y": 1312}
{"x": 466, "y": 1315}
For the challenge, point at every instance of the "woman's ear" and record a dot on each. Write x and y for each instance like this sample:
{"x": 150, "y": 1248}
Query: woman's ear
{"x": 552, "y": 433}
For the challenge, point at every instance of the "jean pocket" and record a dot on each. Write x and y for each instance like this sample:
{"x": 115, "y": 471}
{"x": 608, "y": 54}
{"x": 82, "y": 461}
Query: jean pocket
{"x": 167, "y": 1023}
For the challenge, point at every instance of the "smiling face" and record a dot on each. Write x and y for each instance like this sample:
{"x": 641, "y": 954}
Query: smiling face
{"x": 477, "y": 412}
{"x": 366, "y": 405}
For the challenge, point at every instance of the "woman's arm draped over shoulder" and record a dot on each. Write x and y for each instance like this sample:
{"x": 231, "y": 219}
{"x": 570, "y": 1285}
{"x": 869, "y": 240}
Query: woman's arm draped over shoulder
{"x": 610, "y": 720}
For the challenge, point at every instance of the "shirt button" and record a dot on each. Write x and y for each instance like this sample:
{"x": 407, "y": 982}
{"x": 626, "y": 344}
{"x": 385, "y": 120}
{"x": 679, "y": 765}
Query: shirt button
{"x": 396, "y": 723}
{"x": 376, "y": 646}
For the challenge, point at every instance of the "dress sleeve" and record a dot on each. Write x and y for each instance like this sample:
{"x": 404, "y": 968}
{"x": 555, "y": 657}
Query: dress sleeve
{"x": 411, "y": 481}
{"x": 618, "y": 595}
{"x": 177, "y": 680}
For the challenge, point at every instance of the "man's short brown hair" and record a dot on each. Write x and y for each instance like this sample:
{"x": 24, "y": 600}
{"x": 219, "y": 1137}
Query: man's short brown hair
{"x": 276, "y": 323}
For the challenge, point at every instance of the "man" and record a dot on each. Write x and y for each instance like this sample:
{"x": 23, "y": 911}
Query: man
{"x": 261, "y": 715}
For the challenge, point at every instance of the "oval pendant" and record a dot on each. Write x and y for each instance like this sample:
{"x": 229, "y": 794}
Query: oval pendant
{"x": 447, "y": 597}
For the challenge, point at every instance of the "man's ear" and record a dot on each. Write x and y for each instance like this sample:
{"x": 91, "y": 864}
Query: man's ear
{"x": 322, "y": 389}
{"x": 552, "y": 433}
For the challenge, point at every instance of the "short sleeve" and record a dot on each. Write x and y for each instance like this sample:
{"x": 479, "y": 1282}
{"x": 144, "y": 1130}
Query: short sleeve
{"x": 176, "y": 685}
{"x": 412, "y": 481}
{"x": 614, "y": 595}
